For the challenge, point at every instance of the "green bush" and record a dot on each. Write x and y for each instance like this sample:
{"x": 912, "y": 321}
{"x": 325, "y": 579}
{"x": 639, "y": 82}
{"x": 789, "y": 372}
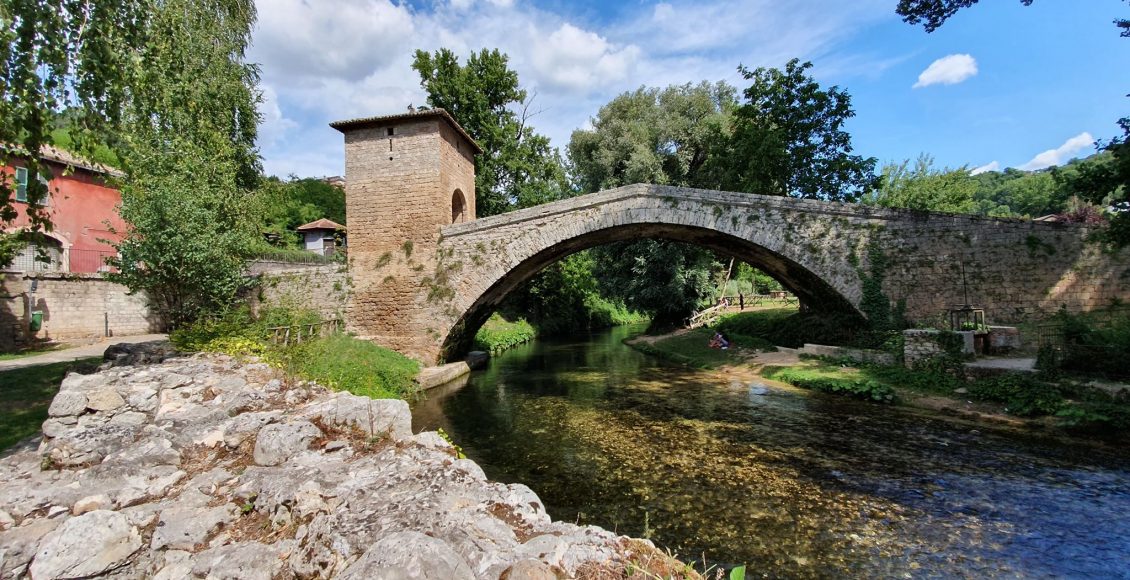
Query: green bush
{"x": 342, "y": 362}
{"x": 1093, "y": 346}
{"x": 789, "y": 328}
{"x": 859, "y": 388}
{"x": 233, "y": 323}
{"x": 1095, "y": 417}
{"x": 499, "y": 334}
{"x": 1024, "y": 395}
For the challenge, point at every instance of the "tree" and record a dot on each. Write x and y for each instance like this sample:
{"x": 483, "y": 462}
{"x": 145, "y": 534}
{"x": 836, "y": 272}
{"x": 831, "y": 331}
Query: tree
{"x": 922, "y": 187}
{"x": 191, "y": 159}
{"x": 290, "y": 204}
{"x": 933, "y": 13}
{"x": 56, "y": 55}
{"x": 788, "y": 139}
{"x": 664, "y": 136}
{"x": 517, "y": 168}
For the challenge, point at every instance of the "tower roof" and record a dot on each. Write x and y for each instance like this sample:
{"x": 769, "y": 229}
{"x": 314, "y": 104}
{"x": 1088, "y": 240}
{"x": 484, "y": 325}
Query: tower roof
{"x": 363, "y": 122}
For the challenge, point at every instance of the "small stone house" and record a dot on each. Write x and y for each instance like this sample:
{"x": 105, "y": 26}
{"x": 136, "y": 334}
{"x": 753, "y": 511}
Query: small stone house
{"x": 322, "y": 237}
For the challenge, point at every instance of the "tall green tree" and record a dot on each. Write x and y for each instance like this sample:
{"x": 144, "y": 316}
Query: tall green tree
{"x": 189, "y": 144}
{"x": 518, "y": 167}
{"x": 788, "y": 138}
{"x": 922, "y": 187}
{"x": 55, "y": 55}
{"x": 664, "y": 136}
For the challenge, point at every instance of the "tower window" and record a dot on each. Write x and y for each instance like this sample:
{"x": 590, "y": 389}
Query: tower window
{"x": 390, "y": 131}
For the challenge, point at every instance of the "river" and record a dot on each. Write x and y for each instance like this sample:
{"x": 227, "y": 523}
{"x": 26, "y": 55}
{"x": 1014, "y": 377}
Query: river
{"x": 727, "y": 469}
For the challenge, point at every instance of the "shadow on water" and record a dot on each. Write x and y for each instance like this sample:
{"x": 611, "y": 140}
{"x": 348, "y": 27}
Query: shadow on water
{"x": 790, "y": 482}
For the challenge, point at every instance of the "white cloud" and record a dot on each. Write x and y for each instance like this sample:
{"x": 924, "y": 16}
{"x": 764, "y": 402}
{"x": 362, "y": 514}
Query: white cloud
{"x": 274, "y": 125}
{"x": 948, "y": 70}
{"x": 1061, "y": 154}
{"x": 351, "y": 58}
{"x": 990, "y": 166}
{"x": 580, "y": 61}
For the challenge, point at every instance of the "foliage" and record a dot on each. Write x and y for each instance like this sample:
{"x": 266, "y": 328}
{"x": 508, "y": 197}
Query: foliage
{"x": 1104, "y": 418}
{"x": 1024, "y": 395}
{"x": 190, "y": 154}
{"x": 933, "y": 13}
{"x": 25, "y": 395}
{"x": 344, "y": 363}
{"x": 756, "y": 281}
{"x": 667, "y": 280}
{"x": 921, "y": 187}
{"x": 814, "y": 379}
{"x": 517, "y": 168}
{"x": 1092, "y": 345}
{"x": 56, "y": 55}
{"x": 788, "y": 139}
{"x": 264, "y": 251}
{"x": 296, "y": 202}
{"x": 565, "y": 298}
{"x": 663, "y": 136}
{"x": 650, "y": 135}
{"x": 499, "y": 334}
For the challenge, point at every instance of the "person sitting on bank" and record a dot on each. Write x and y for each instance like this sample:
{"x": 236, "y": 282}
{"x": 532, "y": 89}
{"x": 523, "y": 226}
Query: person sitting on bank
{"x": 719, "y": 341}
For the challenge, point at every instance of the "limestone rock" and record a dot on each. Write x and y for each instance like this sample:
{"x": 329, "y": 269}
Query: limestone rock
{"x": 409, "y": 555}
{"x": 67, "y": 403}
{"x": 185, "y": 528}
{"x": 86, "y": 545}
{"x": 91, "y": 503}
{"x": 373, "y": 416}
{"x": 106, "y": 399}
{"x": 528, "y": 570}
{"x": 278, "y": 442}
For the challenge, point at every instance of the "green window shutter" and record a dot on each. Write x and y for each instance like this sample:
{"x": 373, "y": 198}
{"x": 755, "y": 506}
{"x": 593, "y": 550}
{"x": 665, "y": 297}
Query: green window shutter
{"x": 21, "y": 184}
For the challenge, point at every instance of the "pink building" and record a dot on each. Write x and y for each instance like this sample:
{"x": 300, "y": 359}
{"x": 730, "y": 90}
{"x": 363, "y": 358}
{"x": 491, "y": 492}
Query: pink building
{"x": 83, "y": 209}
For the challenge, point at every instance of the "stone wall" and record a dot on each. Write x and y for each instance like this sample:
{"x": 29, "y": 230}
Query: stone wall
{"x": 74, "y": 306}
{"x": 860, "y": 355}
{"x": 324, "y": 289}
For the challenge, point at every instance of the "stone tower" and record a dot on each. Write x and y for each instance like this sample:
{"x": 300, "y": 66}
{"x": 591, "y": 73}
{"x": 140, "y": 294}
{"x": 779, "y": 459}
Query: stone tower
{"x": 406, "y": 176}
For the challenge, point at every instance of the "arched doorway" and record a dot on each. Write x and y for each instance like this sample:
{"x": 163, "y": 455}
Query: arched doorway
{"x": 458, "y": 207}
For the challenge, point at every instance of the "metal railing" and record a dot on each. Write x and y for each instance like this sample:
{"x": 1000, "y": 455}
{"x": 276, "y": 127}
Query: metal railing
{"x": 76, "y": 261}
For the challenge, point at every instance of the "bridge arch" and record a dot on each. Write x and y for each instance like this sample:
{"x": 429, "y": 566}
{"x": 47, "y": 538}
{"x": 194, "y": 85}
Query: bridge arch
{"x": 809, "y": 287}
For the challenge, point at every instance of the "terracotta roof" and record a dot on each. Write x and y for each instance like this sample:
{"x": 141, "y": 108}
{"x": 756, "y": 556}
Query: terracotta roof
{"x": 50, "y": 153}
{"x": 343, "y": 126}
{"x": 322, "y": 224}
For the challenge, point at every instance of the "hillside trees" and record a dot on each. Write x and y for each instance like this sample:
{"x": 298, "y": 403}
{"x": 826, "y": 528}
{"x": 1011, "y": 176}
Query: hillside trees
{"x": 517, "y": 168}
{"x": 922, "y": 187}
{"x": 1101, "y": 184}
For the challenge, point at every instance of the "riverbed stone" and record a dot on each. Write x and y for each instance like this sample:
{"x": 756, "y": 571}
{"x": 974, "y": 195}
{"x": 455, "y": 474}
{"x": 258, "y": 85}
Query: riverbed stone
{"x": 105, "y": 399}
{"x": 185, "y": 528}
{"x": 409, "y": 555}
{"x": 90, "y": 544}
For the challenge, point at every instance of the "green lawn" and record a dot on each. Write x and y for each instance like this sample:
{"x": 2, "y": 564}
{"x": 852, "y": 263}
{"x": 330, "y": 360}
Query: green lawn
{"x": 692, "y": 349}
{"x": 32, "y": 352}
{"x": 25, "y": 395}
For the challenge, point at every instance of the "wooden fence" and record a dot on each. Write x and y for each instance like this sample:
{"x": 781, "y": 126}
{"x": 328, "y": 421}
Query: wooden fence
{"x": 296, "y": 333}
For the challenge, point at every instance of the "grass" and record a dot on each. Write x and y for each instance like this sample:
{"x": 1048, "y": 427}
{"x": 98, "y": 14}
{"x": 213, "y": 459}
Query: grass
{"x": 33, "y": 351}
{"x": 692, "y": 349}
{"x": 344, "y": 363}
{"x": 835, "y": 380}
{"x": 25, "y": 395}
{"x": 499, "y": 334}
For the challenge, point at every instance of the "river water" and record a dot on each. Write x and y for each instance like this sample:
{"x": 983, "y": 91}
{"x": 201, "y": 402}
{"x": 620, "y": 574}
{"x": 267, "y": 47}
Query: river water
{"x": 727, "y": 469}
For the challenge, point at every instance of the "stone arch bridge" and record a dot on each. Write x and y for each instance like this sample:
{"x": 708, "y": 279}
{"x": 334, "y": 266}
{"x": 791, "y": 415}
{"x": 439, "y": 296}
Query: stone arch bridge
{"x": 820, "y": 251}
{"x": 423, "y": 285}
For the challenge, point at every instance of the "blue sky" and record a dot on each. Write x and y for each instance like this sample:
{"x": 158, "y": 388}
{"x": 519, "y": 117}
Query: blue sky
{"x": 999, "y": 85}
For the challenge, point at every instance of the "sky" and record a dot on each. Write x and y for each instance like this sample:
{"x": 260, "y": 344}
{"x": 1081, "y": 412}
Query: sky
{"x": 999, "y": 85}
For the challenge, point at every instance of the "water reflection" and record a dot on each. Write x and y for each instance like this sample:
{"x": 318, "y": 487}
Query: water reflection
{"x": 792, "y": 483}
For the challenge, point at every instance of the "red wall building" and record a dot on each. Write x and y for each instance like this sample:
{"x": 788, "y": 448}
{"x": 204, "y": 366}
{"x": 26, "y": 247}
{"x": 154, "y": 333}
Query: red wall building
{"x": 82, "y": 207}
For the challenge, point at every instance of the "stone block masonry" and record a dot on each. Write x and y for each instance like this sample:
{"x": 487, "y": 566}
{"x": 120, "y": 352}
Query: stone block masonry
{"x": 324, "y": 289}
{"x": 427, "y": 276}
{"x": 74, "y": 306}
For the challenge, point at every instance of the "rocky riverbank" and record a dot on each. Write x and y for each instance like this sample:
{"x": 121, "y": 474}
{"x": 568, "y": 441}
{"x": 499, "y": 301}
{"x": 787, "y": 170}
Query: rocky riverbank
{"x": 211, "y": 468}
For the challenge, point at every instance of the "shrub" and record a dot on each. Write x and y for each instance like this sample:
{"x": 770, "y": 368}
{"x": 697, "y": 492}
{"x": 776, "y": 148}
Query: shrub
{"x": 342, "y": 362}
{"x": 499, "y": 334}
{"x": 1090, "y": 347}
{"x": 859, "y": 388}
{"x": 1024, "y": 395}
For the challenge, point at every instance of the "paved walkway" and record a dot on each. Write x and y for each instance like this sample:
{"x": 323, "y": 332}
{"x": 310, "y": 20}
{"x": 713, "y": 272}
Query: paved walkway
{"x": 77, "y": 352}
